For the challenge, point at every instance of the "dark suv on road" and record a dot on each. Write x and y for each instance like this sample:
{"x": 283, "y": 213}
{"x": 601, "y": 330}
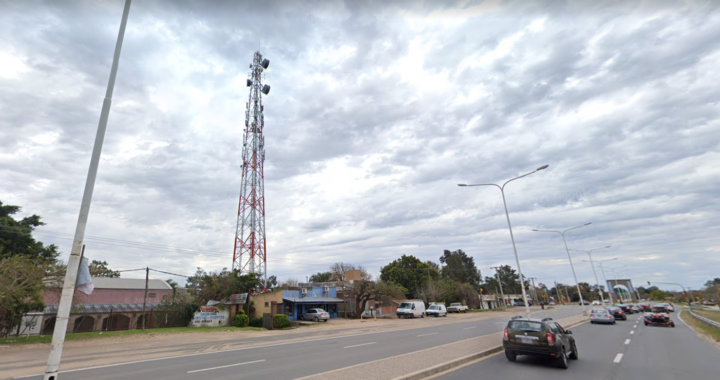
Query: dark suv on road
{"x": 545, "y": 338}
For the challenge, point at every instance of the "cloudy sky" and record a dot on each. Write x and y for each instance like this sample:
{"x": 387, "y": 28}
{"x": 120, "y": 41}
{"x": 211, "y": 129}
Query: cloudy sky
{"x": 377, "y": 111}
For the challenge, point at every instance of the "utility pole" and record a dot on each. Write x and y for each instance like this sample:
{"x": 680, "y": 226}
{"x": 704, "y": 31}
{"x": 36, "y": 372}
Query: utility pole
{"x": 147, "y": 276}
{"x": 63, "y": 313}
{"x": 497, "y": 277}
{"x": 532, "y": 280}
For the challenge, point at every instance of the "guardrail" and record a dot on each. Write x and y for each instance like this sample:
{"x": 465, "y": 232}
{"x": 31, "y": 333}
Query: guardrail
{"x": 704, "y": 320}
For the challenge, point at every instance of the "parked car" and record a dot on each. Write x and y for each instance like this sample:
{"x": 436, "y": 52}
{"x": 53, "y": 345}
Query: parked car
{"x": 584, "y": 302}
{"x": 601, "y": 316}
{"x": 457, "y": 307}
{"x": 411, "y": 309}
{"x": 518, "y": 303}
{"x": 315, "y": 315}
{"x": 551, "y": 303}
{"x": 596, "y": 303}
{"x": 544, "y": 338}
{"x": 617, "y": 313}
{"x": 437, "y": 310}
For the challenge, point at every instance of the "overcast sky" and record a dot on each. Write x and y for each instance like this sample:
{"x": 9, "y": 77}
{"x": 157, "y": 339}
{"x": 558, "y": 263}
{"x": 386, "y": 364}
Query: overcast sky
{"x": 377, "y": 111}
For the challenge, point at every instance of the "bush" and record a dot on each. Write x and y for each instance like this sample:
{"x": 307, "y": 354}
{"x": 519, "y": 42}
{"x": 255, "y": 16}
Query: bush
{"x": 241, "y": 312}
{"x": 240, "y": 320}
{"x": 281, "y": 321}
{"x": 256, "y": 322}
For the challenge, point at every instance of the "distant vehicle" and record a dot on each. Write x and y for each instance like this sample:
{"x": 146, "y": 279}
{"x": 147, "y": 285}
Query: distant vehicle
{"x": 671, "y": 308}
{"x": 617, "y": 313}
{"x": 315, "y": 315}
{"x": 457, "y": 307}
{"x": 627, "y": 309}
{"x": 437, "y": 310}
{"x": 601, "y": 316}
{"x": 659, "y": 309}
{"x": 411, "y": 309}
{"x": 596, "y": 303}
{"x": 544, "y": 338}
{"x": 518, "y": 303}
{"x": 552, "y": 304}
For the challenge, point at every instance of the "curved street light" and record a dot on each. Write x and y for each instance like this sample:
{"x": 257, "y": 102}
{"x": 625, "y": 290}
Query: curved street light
{"x": 512, "y": 238}
{"x": 582, "y": 303}
{"x": 597, "y": 282}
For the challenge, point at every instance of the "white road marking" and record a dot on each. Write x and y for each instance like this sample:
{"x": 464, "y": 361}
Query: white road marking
{"x": 426, "y": 334}
{"x": 632, "y": 332}
{"x": 225, "y": 366}
{"x": 627, "y": 341}
{"x": 358, "y": 345}
{"x": 471, "y": 327}
{"x": 618, "y": 357}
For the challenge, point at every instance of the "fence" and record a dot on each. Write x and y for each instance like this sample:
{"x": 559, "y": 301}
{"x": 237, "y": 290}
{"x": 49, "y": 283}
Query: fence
{"x": 707, "y": 321}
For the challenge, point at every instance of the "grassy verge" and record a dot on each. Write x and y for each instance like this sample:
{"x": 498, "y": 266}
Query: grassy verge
{"x": 700, "y": 327}
{"x": 714, "y": 315}
{"x": 105, "y": 334}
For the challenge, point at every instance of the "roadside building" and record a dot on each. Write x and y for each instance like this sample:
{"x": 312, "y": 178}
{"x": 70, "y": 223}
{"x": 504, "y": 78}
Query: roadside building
{"x": 115, "y": 304}
{"x": 297, "y": 302}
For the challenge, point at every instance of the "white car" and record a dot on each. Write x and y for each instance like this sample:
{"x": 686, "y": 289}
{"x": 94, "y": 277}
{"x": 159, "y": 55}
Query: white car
{"x": 457, "y": 307}
{"x": 316, "y": 315}
{"x": 436, "y": 311}
{"x": 596, "y": 303}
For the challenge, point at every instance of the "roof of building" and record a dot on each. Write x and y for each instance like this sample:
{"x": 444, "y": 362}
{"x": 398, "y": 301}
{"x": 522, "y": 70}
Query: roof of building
{"x": 104, "y": 308}
{"x": 129, "y": 283}
{"x": 314, "y": 300}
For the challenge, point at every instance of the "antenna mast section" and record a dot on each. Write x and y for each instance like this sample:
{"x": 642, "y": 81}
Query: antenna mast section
{"x": 249, "y": 253}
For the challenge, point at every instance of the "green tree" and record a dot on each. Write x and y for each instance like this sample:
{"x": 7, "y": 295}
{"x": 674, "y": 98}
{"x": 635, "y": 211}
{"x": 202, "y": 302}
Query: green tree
{"x": 460, "y": 268}
{"x": 16, "y": 236}
{"x": 321, "y": 277}
{"x": 409, "y": 272}
{"x": 21, "y": 288}
{"x": 508, "y": 277}
{"x": 100, "y": 269}
{"x": 218, "y": 286}
{"x": 713, "y": 282}
{"x": 365, "y": 291}
{"x": 272, "y": 283}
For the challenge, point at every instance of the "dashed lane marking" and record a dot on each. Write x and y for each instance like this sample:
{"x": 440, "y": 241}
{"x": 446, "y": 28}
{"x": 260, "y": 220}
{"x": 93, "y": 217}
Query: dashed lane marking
{"x": 359, "y": 345}
{"x": 627, "y": 341}
{"x": 468, "y": 328}
{"x": 632, "y": 332}
{"x": 426, "y": 334}
{"x": 226, "y": 366}
{"x": 618, "y": 357}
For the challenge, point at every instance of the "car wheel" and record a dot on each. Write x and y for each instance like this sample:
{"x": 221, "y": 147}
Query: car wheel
{"x": 592, "y": 322}
{"x": 574, "y": 355}
{"x": 614, "y": 322}
{"x": 464, "y": 311}
{"x": 325, "y": 320}
{"x": 302, "y": 318}
{"x": 422, "y": 315}
{"x": 562, "y": 361}
{"x": 317, "y": 319}
{"x": 510, "y": 355}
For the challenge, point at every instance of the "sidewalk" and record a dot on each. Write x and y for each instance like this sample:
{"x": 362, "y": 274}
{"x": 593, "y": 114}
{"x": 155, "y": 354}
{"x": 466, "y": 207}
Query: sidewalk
{"x": 421, "y": 364}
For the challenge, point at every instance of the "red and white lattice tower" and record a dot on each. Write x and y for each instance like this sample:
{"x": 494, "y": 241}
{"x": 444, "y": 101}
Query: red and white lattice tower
{"x": 250, "y": 254}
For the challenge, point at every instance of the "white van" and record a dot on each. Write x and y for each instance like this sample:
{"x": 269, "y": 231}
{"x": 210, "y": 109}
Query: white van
{"x": 436, "y": 310}
{"x": 411, "y": 309}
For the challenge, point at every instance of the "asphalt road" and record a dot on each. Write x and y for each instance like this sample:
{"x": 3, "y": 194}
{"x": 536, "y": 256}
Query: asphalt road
{"x": 609, "y": 352}
{"x": 288, "y": 360}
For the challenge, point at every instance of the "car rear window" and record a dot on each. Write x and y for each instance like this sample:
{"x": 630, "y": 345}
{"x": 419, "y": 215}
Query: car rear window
{"x": 527, "y": 326}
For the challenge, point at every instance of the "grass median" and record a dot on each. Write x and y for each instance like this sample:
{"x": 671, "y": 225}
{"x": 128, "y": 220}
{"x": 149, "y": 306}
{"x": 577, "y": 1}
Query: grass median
{"x": 106, "y": 334}
{"x": 700, "y": 327}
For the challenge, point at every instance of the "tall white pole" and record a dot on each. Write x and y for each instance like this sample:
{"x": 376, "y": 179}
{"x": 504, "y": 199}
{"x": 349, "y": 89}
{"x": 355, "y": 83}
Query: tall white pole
{"x": 63, "y": 314}
{"x": 517, "y": 260}
{"x": 582, "y": 302}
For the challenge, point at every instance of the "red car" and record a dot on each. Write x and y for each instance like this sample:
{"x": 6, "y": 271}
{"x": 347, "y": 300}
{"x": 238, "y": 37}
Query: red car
{"x": 658, "y": 317}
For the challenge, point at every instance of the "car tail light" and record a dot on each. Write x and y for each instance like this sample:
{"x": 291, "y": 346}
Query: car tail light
{"x": 620, "y": 312}
{"x": 592, "y": 315}
{"x": 505, "y": 336}
{"x": 551, "y": 339}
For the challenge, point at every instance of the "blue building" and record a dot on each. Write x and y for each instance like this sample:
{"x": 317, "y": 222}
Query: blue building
{"x": 297, "y": 302}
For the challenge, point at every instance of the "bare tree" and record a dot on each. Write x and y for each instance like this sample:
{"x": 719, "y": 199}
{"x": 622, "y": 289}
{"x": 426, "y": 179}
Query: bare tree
{"x": 338, "y": 271}
{"x": 290, "y": 282}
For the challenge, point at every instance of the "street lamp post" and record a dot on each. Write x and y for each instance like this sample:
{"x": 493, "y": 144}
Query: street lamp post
{"x": 512, "y": 238}
{"x": 534, "y": 289}
{"x": 562, "y": 233}
{"x": 597, "y": 282}
{"x": 599, "y": 263}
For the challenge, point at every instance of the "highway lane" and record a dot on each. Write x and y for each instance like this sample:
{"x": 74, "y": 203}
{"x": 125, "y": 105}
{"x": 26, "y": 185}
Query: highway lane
{"x": 626, "y": 350}
{"x": 283, "y": 360}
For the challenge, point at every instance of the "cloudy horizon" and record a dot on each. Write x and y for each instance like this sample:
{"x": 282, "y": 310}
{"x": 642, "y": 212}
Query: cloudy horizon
{"x": 377, "y": 111}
